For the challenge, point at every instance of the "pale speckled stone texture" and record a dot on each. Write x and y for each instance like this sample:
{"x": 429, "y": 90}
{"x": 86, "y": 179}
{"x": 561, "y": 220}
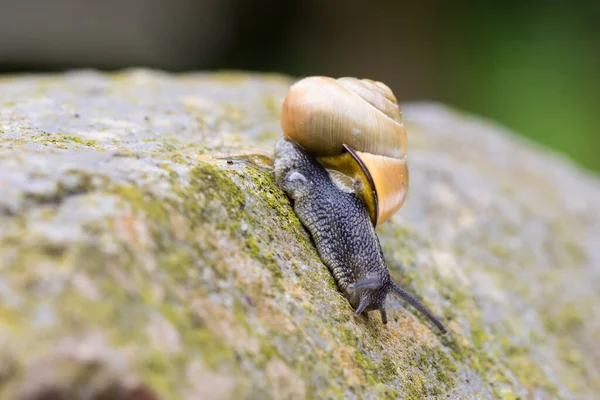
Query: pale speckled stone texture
{"x": 136, "y": 261}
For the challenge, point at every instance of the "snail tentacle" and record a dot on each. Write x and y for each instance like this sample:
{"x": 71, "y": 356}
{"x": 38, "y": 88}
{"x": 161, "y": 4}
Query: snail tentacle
{"x": 383, "y": 315}
{"x": 370, "y": 283}
{"x": 413, "y": 301}
{"x": 364, "y": 302}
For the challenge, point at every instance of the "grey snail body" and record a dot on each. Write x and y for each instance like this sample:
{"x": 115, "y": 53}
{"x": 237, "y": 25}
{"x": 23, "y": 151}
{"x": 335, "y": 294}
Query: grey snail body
{"x": 342, "y": 230}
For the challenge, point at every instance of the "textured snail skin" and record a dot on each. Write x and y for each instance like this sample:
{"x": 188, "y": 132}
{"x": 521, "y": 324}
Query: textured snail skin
{"x": 342, "y": 231}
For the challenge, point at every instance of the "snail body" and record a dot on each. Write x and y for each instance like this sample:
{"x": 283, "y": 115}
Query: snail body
{"x": 342, "y": 220}
{"x": 341, "y": 228}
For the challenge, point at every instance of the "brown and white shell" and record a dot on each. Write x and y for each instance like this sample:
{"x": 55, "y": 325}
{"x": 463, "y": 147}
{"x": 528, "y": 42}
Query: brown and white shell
{"x": 353, "y": 126}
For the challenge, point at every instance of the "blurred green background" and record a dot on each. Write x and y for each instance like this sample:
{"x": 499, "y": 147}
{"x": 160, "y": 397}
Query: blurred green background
{"x": 530, "y": 65}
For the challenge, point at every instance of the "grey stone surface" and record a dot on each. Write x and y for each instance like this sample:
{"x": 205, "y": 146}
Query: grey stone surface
{"x": 137, "y": 261}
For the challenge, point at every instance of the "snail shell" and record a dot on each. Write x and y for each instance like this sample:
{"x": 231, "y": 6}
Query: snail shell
{"x": 355, "y": 127}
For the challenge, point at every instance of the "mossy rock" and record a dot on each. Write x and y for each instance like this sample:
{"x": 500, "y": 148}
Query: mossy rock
{"x": 146, "y": 253}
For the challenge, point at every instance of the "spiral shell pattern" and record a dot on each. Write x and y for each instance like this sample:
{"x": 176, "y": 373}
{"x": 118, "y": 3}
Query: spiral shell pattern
{"x": 354, "y": 126}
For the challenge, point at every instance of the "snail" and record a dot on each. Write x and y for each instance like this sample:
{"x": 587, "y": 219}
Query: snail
{"x": 342, "y": 162}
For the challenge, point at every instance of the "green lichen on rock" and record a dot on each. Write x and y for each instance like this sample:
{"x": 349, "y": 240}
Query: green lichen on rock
{"x": 146, "y": 253}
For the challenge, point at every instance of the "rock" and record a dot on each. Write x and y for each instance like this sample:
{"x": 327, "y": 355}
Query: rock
{"x": 146, "y": 253}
